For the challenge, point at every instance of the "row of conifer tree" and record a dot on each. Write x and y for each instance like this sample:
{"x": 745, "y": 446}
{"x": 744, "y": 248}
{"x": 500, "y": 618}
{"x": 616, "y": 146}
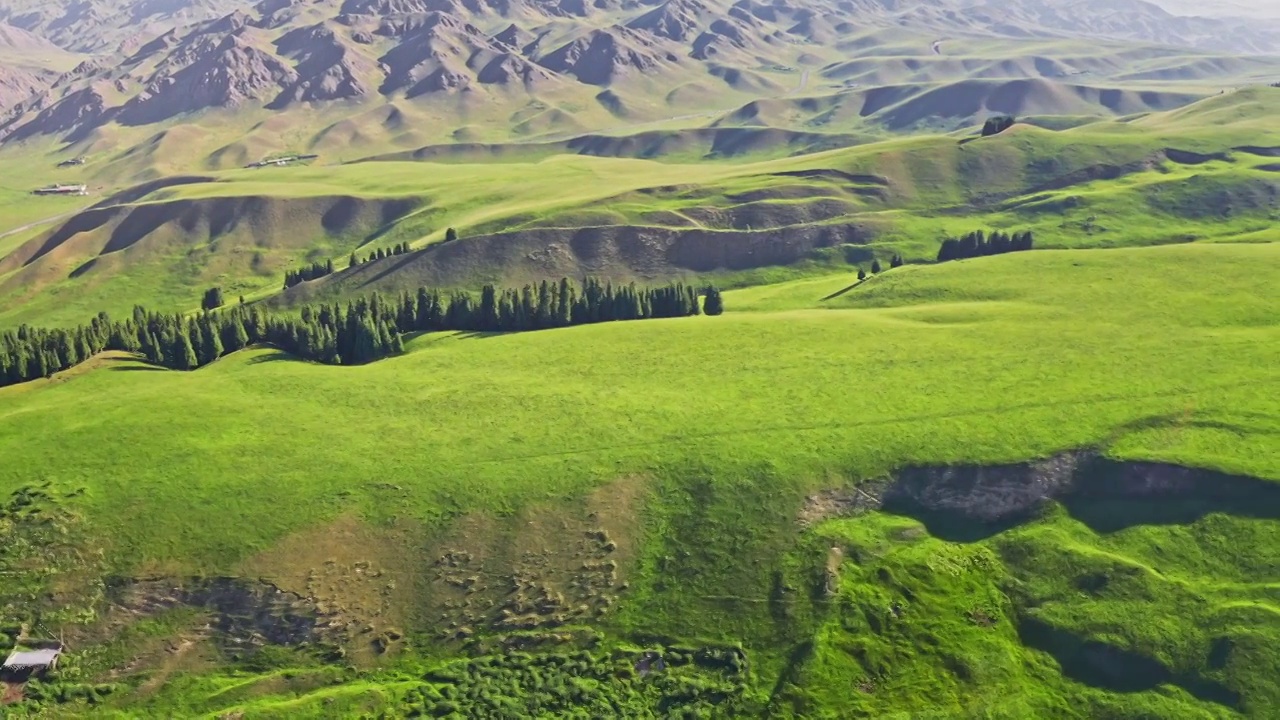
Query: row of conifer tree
{"x": 362, "y": 331}
{"x": 399, "y": 249}
{"x": 979, "y": 244}
{"x": 314, "y": 271}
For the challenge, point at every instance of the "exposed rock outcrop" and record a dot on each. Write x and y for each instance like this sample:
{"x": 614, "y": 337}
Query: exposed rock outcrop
{"x": 433, "y": 53}
{"x": 601, "y": 56}
{"x": 674, "y": 19}
{"x": 227, "y": 75}
{"x": 75, "y": 113}
{"x": 328, "y": 68}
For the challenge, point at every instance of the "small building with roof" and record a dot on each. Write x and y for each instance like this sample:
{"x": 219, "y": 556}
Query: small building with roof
{"x": 29, "y": 661}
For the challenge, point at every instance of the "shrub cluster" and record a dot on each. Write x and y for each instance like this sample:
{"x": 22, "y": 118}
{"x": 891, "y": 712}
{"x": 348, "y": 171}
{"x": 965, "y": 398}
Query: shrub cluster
{"x": 698, "y": 683}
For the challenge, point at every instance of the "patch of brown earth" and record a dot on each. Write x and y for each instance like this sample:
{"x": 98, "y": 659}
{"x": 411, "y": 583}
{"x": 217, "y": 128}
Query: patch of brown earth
{"x": 521, "y": 579}
{"x": 366, "y": 580}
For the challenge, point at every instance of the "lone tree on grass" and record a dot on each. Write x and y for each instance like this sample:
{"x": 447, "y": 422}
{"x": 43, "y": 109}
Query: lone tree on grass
{"x": 862, "y": 274}
{"x": 713, "y": 304}
{"x": 897, "y": 262}
{"x": 450, "y": 235}
{"x": 212, "y": 299}
{"x": 875, "y": 267}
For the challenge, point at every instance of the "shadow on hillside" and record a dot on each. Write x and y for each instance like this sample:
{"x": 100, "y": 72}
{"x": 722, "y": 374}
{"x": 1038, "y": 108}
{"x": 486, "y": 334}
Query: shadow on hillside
{"x": 139, "y": 367}
{"x": 1108, "y": 496}
{"x": 1112, "y": 668}
{"x": 842, "y": 291}
{"x": 1188, "y": 496}
{"x": 273, "y": 356}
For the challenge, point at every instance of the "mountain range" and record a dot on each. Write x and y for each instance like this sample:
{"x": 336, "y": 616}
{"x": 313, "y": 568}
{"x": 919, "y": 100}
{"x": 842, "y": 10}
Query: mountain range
{"x": 390, "y": 75}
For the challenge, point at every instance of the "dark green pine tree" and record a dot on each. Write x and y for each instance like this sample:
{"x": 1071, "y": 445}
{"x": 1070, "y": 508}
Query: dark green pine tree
{"x": 712, "y": 303}
{"x": 543, "y": 317}
{"x": 450, "y": 235}
{"x": 875, "y": 267}
{"x": 40, "y": 368}
{"x": 563, "y": 303}
{"x": 152, "y": 351}
{"x": 210, "y": 343}
{"x": 239, "y": 335}
{"x": 489, "y": 308}
{"x": 66, "y": 353}
{"x": 183, "y": 356}
{"x": 422, "y": 311}
{"x": 212, "y": 299}
{"x": 862, "y": 274}
{"x": 353, "y": 261}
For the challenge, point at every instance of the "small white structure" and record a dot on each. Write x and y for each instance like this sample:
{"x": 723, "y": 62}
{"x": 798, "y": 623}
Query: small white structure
{"x": 63, "y": 190}
{"x": 32, "y": 660}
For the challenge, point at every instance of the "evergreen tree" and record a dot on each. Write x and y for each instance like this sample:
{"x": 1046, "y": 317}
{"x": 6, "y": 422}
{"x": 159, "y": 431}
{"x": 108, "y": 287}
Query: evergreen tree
{"x": 564, "y": 301}
{"x": 862, "y": 274}
{"x": 210, "y": 344}
{"x": 896, "y": 262}
{"x": 450, "y": 235}
{"x": 183, "y": 356}
{"x": 353, "y": 261}
{"x": 151, "y": 349}
{"x": 712, "y": 304}
{"x": 234, "y": 336}
{"x": 489, "y": 309}
{"x": 212, "y": 299}
{"x": 875, "y": 267}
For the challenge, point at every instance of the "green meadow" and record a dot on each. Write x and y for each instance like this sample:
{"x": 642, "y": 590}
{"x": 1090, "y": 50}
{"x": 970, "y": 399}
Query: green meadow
{"x": 708, "y": 434}
{"x": 519, "y": 524}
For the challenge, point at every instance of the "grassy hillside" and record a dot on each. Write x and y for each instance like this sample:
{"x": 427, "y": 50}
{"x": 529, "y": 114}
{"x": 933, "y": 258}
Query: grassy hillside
{"x": 1202, "y": 172}
{"x": 426, "y": 492}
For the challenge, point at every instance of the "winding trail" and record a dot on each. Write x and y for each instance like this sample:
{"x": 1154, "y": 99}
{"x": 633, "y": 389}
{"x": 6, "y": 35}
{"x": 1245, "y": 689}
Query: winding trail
{"x": 37, "y": 223}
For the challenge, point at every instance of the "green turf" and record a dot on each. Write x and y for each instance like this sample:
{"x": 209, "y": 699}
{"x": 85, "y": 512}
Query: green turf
{"x": 1163, "y": 353}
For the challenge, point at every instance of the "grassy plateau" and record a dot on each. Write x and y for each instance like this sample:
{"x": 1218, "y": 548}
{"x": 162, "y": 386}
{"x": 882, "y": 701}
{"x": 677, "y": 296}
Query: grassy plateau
{"x": 395, "y": 500}
{"x": 1041, "y": 484}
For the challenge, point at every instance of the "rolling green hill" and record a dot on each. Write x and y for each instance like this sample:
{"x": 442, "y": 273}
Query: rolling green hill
{"x": 1201, "y": 172}
{"x": 815, "y": 505}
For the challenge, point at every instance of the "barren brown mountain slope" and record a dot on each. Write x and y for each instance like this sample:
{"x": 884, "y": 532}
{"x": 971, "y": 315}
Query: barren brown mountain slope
{"x": 493, "y": 63}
